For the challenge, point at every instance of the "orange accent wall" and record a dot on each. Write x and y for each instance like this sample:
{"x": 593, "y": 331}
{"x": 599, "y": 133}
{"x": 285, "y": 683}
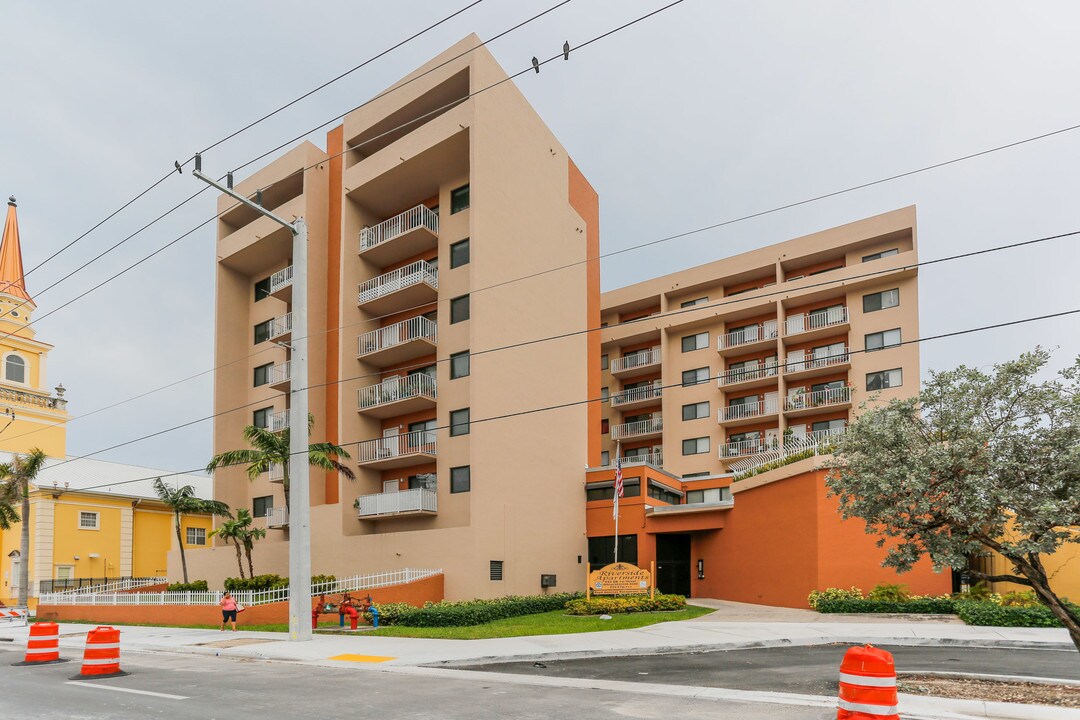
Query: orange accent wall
{"x": 586, "y": 202}
{"x": 334, "y": 146}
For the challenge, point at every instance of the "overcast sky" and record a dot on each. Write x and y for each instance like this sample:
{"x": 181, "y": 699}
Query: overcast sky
{"x": 711, "y": 110}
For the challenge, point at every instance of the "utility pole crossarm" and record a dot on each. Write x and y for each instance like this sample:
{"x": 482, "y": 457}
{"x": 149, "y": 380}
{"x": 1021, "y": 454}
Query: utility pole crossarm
{"x": 240, "y": 198}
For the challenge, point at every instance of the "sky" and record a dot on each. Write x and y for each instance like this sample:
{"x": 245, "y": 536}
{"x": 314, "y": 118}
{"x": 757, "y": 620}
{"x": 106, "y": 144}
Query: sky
{"x": 709, "y": 111}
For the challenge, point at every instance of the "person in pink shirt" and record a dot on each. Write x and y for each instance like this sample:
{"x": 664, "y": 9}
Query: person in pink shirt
{"x": 228, "y": 610}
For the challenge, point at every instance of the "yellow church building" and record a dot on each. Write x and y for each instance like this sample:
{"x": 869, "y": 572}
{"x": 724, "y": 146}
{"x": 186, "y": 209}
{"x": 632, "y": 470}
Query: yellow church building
{"x": 91, "y": 521}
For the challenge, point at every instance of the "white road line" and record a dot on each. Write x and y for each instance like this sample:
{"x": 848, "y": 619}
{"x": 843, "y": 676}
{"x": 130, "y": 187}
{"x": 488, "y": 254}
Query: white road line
{"x": 126, "y": 690}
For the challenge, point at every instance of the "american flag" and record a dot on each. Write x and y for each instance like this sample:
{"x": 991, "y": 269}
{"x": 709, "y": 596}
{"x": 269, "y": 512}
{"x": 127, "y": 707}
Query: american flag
{"x": 618, "y": 485}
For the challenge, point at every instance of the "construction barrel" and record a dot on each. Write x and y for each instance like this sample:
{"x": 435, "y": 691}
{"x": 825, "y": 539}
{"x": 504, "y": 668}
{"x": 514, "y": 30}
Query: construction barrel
{"x": 101, "y": 658}
{"x": 867, "y": 685}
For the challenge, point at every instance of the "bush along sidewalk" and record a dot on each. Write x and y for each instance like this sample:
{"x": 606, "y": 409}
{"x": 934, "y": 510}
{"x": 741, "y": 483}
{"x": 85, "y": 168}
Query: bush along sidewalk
{"x": 625, "y": 604}
{"x": 930, "y": 605}
{"x": 193, "y": 586}
{"x": 989, "y": 613}
{"x": 463, "y": 613}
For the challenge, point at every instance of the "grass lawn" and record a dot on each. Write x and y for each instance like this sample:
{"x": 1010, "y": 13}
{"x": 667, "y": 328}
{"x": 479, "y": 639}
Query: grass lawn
{"x": 556, "y": 622}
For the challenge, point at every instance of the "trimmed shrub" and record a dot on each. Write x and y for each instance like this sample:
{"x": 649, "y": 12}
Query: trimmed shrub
{"x": 942, "y": 605}
{"x": 885, "y": 592}
{"x": 1027, "y": 598}
{"x": 463, "y": 613}
{"x": 985, "y": 613}
{"x": 980, "y": 591}
{"x": 624, "y": 604}
{"x": 318, "y": 579}
{"x": 817, "y": 596}
{"x": 193, "y": 586}
{"x": 259, "y": 582}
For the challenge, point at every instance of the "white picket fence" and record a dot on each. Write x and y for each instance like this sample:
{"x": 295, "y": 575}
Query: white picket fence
{"x": 244, "y": 597}
{"x": 115, "y": 586}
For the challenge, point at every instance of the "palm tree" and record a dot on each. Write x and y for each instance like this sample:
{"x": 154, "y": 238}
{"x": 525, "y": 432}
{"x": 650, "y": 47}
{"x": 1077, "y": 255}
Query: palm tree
{"x": 230, "y": 530}
{"x": 182, "y": 500}
{"x": 248, "y": 535}
{"x": 17, "y": 476}
{"x": 272, "y": 448}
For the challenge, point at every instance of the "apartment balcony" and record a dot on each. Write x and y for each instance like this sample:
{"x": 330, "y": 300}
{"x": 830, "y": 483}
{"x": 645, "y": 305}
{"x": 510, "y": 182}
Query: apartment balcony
{"x": 277, "y": 517}
{"x": 640, "y": 430}
{"x": 402, "y": 236}
{"x": 750, "y": 376}
{"x": 416, "y": 501}
{"x": 400, "y": 342}
{"x": 414, "y": 285}
{"x": 820, "y": 323}
{"x": 747, "y": 340}
{"x": 397, "y": 396}
{"x": 281, "y": 328}
{"x": 397, "y": 451}
{"x": 280, "y": 375}
{"x": 641, "y": 362}
{"x": 655, "y": 458}
{"x": 742, "y": 448}
{"x": 798, "y": 367}
{"x": 747, "y": 413}
{"x": 281, "y": 284}
{"x": 276, "y": 473}
{"x": 279, "y": 421}
{"x": 637, "y": 397}
{"x": 812, "y": 402}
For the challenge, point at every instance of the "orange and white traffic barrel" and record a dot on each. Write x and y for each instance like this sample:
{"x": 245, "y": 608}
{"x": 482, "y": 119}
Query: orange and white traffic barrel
{"x": 43, "y": 646}
{"x": 867, "y": 685}
{"x": 101, "y": 657}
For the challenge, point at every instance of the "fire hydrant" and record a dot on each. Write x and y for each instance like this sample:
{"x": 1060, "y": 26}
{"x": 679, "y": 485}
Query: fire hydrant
{"x": 374, "y": 616}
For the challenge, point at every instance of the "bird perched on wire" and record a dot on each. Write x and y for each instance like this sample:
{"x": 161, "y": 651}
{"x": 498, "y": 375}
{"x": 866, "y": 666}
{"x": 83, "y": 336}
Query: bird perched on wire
{"x": 536, "y": 65}
{"x": 177, "y": 164}
{"x": 566, "y": 50}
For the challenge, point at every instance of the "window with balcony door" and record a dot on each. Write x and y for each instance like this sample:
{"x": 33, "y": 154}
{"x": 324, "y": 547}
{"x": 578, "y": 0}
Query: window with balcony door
{"x": 826, "y": 425}
{"x": 695, "y": 446}
{"x": 261, "y": 417}
{"x": 696, "y": 376}
{"x": 698, "y": 341}
{"x": 262, "y": 289}
{"x": 745, "y": 437}
{"x": 831, "y": 385}
{"x": 459, "y": 254}
{"x": 695, "y": 411}
{"x": 459, "y": 365}
{"x": 882, "y": 340}
{"x": 884, "y": 379}
{"x": 262, "y": 374}
{"x": 426, "y": 430}
{"x": 459, "y": 309}
{"x": 261, "y": 504}
{"x": 459, "y": 199}
{"x": 832, "y": 353}
{"x": 262, "y": 332}
{"x": 881, "y": 300}
{"x": 460, "y": 479}
{"x": 429, "y": 370}
{"x": 422, "y": 481}
{"x": 882, "y": 254}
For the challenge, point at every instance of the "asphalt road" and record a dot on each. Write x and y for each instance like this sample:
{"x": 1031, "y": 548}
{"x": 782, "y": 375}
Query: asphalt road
{"x": 175, "y": 687}
{"x": 808, "y": 670}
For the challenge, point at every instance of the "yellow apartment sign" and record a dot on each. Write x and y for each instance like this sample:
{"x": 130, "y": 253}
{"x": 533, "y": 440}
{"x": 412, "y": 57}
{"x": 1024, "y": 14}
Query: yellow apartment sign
{"x": 620, "y": 579}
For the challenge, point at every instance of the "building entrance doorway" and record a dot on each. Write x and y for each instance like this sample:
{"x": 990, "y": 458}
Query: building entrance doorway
{"x": 673, "y": 563}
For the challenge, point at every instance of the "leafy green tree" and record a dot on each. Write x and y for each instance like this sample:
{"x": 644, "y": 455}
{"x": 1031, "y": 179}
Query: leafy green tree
{"x": 182, "y": 501}
{"x": 272, "y": 448}
{"x": 16, "y": 476}
{"x": 230, "y": 531}
{"x": 976, "y": 462}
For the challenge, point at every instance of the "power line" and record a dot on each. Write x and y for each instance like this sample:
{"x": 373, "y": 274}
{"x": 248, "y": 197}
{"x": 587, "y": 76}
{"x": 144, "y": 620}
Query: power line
{"x": 561, "y": 406}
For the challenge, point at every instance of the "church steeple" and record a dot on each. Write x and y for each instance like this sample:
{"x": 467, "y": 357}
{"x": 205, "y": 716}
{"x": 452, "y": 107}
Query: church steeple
{"x": 12, "y": 280}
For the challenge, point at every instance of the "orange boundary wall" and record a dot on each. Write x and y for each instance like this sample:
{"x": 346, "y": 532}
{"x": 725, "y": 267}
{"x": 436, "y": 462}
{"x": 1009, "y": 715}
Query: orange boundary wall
{"x": 415, "y": 593}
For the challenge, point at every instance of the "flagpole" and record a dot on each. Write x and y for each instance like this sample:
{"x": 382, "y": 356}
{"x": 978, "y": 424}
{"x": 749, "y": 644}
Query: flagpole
{"x": 618, "y": 470}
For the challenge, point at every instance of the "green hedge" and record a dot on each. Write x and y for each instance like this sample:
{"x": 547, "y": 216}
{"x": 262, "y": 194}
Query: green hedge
{"x": 193, "y": 586}
{"x": 469, "y": 612}
{"x": 920, "y": 605}
{"x": 259, "y": 582}
{"x": 985, "y": 613}
{"x": 625, "y": 604}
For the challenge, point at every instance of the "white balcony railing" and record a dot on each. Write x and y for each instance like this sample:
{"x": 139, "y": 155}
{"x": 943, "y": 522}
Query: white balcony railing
{"x": 276, "y": 473}
{"x": 281, "y": 279}
{"x": 818, "y": 442}
{"x": 794, "y": 364}
{"x": 747, "y": 335}
{"x": 415, "y": 273}
{"x": 280, "y": 373}
{"x": 742, "y": 447}
{"x": 818, "y": 398}
{"x": 277, "y": 517}
{"x": 748, "y": 372}
{"x": 638, "y": 394}
{"x": 656, "y": 457}
{"x": 805, "y": 322}
{"x": 398, "y": 334}
{"x": 279, "y": 421}
{"x": 750, "y": 409}
{"x": 414, "y": 500}
{"x": 410, "y": 443}
{"x": 395, "y": 389}
{"x": 387, "y": 230}
{"x": 638, "y": 359}
{"x": 281, "y": 326}
{"x": 637, "y": 429}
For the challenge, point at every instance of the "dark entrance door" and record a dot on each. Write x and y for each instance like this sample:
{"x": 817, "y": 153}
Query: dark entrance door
{"x": 673, "y": 563}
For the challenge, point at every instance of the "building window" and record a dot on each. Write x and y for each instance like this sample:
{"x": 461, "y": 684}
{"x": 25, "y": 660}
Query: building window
{"x": 631, "y": 488}
{"x": 459, "y": 422}
{"x": 495, "y": 570}
{"x": 692, "y": 303}
{"x": 825, "y": 425}
{"x": 696, "y": 475}
{"x": 664, "y": 495}
{"x": 882, "y": 254}
{"x": 15, "y": 369}
{"x": 459, "y": 309}
{"x": 603, "y": 362}
{"x": 459, "y": 365}
{"x": 459, "y": 199}
{"x": 695, "y": 411}
{"x": 884, "y": 379}
{"x": 262, "y": 332}
{"x": 695, "y": 446}
{"x": 423, "y": 481}
{"x": 89, "y": 520}
{"x": 260, "y": 505}
{"x": 881, "y": 340}
{"x": 605, "y": 458}
{"x": 196, "y": 536}
{"x": 459, "y": 254}
{"x": 262, "y": 374}
{"x": 696, "y": 376}
{"x": 262, "y": 289}
{"x": 700, "y": 341}
{"x": 881, "y": 301}
{"x": 605, "y": 394}
{"x": 605, "y": 426}
{"x": 261, "y": 417}
{"x": 708, "y": 495}
{"x": 602, "y": 550}
{"x": 460, "y": 479}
